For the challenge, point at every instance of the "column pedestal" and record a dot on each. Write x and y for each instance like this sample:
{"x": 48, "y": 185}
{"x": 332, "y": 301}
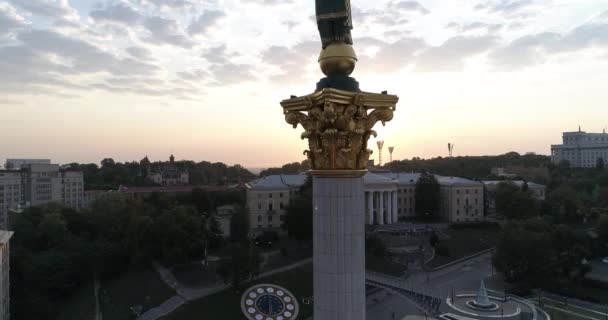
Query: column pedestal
{"x": 339, "y": 248}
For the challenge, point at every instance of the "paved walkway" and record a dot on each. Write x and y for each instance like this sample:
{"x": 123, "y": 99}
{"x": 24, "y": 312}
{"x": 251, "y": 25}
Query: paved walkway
{"x": 185, "y": 294}
{"x": 96, "y": 286}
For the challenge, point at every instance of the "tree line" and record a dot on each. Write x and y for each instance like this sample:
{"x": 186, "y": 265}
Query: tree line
{"x": 55, "y": 249}
{"x": 109, "y": 175}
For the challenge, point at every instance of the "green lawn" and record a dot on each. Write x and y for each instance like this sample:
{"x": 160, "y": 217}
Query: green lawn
{"x": 136, "y": 287}
{"x": 225, "y": 305}
{"x": 464, "y": 241}
{"x": 379, "y": 264}
{"x": 560, "y": 311}
{"x": 81, "y": 305}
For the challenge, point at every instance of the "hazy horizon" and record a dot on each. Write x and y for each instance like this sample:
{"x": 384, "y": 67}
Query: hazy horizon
{"x": 86, "y": 79}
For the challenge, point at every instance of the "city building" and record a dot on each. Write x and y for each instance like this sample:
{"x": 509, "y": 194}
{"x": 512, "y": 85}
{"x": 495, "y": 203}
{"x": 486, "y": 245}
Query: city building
{"x": 388, "y": 198}
{"x": 406, "y": 192}
{"x": 581, "y": 149}
{"x": 538, "y": 191}
{"x": 164, "y": 174}
{"x": 5, "y": 237}
{"x": 16, "y": 164}
{"x": 460, "y": 200}
{"x": 32, "y": 184}
{"x": 267, "y": 199}
{"x": 380, "y": 199}
{"x": 73, "y": 189}
{"x": 12, "y": 194}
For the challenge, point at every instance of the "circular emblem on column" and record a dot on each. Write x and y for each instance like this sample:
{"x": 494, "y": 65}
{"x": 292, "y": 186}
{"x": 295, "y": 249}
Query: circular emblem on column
{"x": 269, "y": 302}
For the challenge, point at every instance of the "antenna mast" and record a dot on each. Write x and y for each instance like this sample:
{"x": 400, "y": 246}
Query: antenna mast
{"x": 450, "y": 148}
{"x": 380, "y": 145}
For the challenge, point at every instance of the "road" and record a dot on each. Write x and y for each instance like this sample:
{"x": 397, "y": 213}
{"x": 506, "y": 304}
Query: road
{"x": 464, "y": 276}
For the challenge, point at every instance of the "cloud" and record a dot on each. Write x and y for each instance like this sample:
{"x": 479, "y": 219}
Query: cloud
{"x": 9, "y": 19}
{"x": 474, "y": 26}
{"x": 535, "y": 49}
{"x": 269, "y": 2}
{"x": 169, "y": 4}
{"x": 524, "y": 51}
{"x": 120, "y": 13}
{"x": 218, "y": 54}
{"x": 48, "y": 8}
{"x": 391, "y": 57}
{"x": 166, "y": 31}
{"x": 196, "y": 75}
{"x": 293, "y": 62}
{"x": 205, "y": 21}
{"x": 231, "y": 73}
{"x": 504, "y": 7}
{"x": 45, "y": 59}
{"x": 140, "y": 53}
{"x": 408, "y": 6}
{"x": 449, "y": 56}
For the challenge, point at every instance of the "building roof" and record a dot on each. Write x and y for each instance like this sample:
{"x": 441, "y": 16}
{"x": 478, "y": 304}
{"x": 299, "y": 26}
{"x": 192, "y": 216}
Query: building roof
{"x": 457, "y": 181}
{"x": 170, "y": 189}
{"x": 518, "y": 183}
{"x": 403, "y": 178}
{"x": 375, "y": 178}
{"x": 278, "y": 181}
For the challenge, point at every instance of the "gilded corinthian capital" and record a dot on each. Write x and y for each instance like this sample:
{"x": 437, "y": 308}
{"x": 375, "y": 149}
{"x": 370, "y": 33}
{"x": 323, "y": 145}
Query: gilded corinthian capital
{"x": 338, "y": 125}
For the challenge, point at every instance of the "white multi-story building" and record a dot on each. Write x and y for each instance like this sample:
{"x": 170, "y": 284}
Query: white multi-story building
{"x": 42, "y": 184}
{"x": 16, "y": 164}
{"x": 12, "y": 194}
{"x": 38, "y": 183}
{"x": 388, "y": 198}
{"x": 5, "y": 237}
{"x": 73, "y": 189}
{"x": 581, "y": 149}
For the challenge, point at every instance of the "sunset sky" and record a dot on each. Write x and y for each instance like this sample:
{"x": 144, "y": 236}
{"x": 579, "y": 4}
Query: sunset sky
{"x": 81, "y": 80}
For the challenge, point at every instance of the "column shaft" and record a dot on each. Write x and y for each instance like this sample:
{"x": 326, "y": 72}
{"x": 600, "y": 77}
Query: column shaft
{"x": 389, "y": 208}
{"x": 339, "y": 248}
{"x": 395, "y": 207}
{"x": 380, "y": 212}
{"x": 370, "y": 207}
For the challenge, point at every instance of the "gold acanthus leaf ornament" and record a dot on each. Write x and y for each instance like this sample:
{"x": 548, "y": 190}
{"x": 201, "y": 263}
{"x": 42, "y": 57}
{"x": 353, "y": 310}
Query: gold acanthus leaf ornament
{"x": 338, "y": 125}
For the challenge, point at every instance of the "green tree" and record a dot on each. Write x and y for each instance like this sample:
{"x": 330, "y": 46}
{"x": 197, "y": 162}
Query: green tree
{"x": 427, "y": 195}
{"x": 242, "y": 264}
{"x": 602, "y": 227}
{"x": 513, "y": 202}
{"x": 239, "y": 225}
{"x": 298, "y": 220}
{"x": 524, "y": 252}
{"x": 564, "y": 203}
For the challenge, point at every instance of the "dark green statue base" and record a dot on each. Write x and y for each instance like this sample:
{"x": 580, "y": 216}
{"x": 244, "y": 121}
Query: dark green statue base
{"x": 339, "y": 82}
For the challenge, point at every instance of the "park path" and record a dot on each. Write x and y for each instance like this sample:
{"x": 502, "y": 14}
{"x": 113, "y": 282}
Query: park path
{"x": 96, "y": 286}
{"x": 185, "y": 294}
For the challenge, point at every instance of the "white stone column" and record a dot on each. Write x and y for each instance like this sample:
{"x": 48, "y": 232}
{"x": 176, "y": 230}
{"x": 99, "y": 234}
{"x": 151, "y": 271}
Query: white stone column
{"x": 380, "y": 212}
{"x": 339, "y": 248}
{"x": 370, "y": 207}
{"x": 389, "y": 208}
{"x": 395, "y": 207}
